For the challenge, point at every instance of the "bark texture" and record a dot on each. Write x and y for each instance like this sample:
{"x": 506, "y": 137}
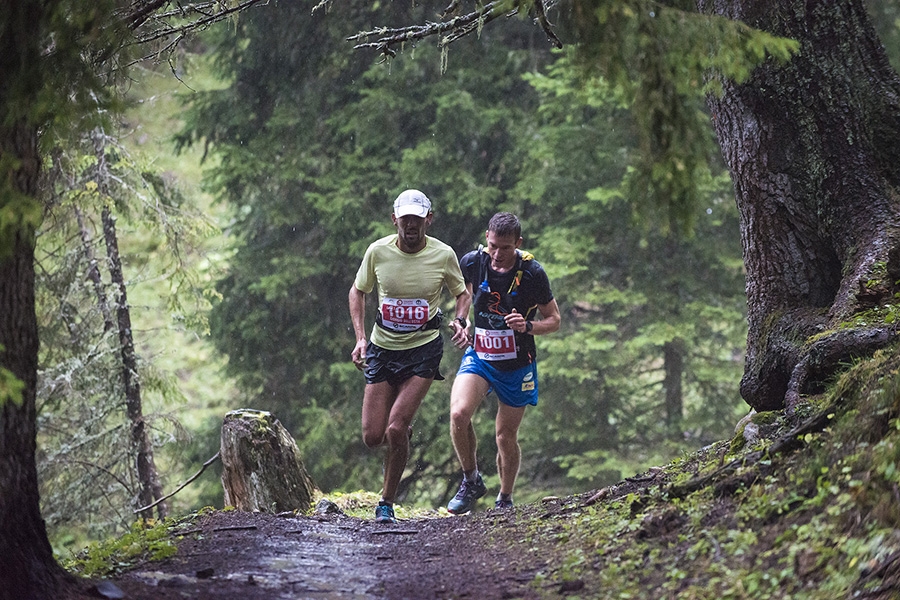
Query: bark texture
{"x": 262, "y": 470}
{"x": 673, "y": 359}
{"x": 29, "y": 569}
{"x": 813, "y": 148}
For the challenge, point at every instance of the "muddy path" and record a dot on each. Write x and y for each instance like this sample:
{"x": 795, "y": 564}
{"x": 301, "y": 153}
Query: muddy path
{"x": 249, "y": 556}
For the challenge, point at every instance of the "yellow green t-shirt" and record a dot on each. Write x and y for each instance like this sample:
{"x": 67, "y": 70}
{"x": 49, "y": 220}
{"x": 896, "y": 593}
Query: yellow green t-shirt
{"x": 403, "y": 279}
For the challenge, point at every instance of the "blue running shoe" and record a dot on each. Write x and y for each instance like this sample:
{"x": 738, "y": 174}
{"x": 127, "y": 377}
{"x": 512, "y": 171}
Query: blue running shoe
{"x": 503, "y": 504}
{"x": 469, "y": 492}
{"x": 384, "y": 513}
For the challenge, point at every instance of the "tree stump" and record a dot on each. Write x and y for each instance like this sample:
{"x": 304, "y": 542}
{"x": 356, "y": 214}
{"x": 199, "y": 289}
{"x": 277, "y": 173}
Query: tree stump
{"x": 262, "y": 470}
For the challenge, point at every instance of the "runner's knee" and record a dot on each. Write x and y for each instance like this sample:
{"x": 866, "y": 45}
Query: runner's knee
{"x": 397, "y": 433}
{"x": 459, "y": 417}
{"x": 507, "y": 439}
{"x": 373, "y": 439}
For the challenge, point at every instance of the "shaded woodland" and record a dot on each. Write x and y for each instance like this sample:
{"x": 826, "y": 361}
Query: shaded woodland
{"x": 682, "y": 170}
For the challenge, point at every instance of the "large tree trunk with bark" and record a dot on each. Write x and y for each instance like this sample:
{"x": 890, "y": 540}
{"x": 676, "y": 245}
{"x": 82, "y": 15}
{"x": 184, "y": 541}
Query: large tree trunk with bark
{"x": 30, "y": 570}
{"x": 28, "y": 561}
{"x": 813, "y": 148}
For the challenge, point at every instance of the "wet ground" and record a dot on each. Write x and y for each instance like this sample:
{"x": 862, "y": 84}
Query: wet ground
{"x": 249, "y": 556}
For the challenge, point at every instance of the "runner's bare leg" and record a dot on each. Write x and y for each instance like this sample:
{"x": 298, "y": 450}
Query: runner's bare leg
{"x": 468, "y": 391}
{"x": 409, "y": 396}
{"x": 377, "y": 401}
{"x": 508, "y": 451}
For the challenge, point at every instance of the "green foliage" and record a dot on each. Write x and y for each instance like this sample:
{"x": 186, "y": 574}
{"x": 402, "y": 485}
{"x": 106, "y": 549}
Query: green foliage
{"x": 309, "y": 169}
{"x": 663, "y": 60}
{"x": 818, "y": 522}
{"x": 10, "y": 387}
{"x": 145, "y": 541}
{"x": 309, "y": 173}
{"x": 627, "y": 292}
{"x": 54, "y": 86}
{"x": 86, "y": 465}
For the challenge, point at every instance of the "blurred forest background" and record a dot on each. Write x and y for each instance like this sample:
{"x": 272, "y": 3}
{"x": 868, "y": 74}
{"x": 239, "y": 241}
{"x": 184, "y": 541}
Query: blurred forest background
{"x": 251, "y": 170}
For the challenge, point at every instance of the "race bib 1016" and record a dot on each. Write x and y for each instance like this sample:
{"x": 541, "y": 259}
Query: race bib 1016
{"x": 404, "y": 314}
{"x": 495, "y": 344}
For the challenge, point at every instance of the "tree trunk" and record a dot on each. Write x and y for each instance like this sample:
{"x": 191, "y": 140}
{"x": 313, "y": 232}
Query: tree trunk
{"x": 673, "y": 359}
{"x": 31, "y": 571}
{"x": 94, "y": 271}
{"x": 813, "y": 148}
{"x": 262, "y": 470}
{"x": 148, "y": 479}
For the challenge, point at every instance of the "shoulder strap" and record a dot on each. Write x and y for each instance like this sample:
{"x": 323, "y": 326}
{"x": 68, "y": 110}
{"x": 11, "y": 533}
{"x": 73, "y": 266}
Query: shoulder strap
{"x": 483, "y": 257}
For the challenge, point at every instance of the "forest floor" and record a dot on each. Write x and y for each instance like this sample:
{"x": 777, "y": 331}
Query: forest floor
{"x": 800, "y": 507}
{"x": 246, "y": 556}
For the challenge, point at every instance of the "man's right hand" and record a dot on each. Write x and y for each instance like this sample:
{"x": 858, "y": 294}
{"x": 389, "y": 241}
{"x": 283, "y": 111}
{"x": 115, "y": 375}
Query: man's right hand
{"x": 358, "y": 356}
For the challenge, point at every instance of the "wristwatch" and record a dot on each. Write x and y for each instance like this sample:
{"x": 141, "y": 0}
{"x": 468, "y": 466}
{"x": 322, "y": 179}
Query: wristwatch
{"x": 462, "y": 322}
{"x": 528, "y": 326}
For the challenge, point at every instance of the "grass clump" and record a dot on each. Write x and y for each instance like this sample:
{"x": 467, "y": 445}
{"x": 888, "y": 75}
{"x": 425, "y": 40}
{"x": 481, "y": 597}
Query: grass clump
{"x": 148, "y": 540}
{"x": 361, "y": 505}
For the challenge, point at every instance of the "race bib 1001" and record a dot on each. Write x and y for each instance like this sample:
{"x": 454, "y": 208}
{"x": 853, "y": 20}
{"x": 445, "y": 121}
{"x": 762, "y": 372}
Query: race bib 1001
{"x": 495, "y": 344}
{"x": 404, "y": 314}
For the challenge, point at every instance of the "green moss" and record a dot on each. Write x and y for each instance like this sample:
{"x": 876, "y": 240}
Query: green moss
{"x": 737, "y": 444}
{"x": 766, "y": 417}
{"x": 887, "y": 314}
{"x": 147, "y": 541}
{"x": 802, "y": 526}
{"x": 361, "y": 504}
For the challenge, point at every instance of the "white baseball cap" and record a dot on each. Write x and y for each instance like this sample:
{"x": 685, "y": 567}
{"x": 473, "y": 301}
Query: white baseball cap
{"x": 412, "y": 202}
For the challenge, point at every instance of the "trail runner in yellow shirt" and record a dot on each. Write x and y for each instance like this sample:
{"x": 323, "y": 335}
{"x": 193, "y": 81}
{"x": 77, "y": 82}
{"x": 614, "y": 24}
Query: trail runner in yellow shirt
{"x": 408, "y": 270}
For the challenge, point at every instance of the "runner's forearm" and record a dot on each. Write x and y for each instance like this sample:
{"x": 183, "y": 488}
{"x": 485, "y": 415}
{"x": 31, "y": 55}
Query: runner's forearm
{"x": 463, "y": 304}
{"x": 549, "y": 319}
{"x": 357, "y": 302}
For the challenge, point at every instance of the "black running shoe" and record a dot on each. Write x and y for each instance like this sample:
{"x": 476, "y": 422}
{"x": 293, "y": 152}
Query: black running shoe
{"x": 469, "y": 492}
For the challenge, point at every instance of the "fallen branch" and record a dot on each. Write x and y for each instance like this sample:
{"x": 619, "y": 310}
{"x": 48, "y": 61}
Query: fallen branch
{"x": 182, "y": 486}
{"x": 236, "y": 528}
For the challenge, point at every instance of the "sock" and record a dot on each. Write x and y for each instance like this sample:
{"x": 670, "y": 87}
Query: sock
{"x": 471, "y": 476}
{"x": 504, "y": 497}
{"x": 384, "y": 502}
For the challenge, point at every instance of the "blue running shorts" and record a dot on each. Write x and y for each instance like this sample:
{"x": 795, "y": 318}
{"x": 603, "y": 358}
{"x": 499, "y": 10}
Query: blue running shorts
{"x": 514, "y": 388}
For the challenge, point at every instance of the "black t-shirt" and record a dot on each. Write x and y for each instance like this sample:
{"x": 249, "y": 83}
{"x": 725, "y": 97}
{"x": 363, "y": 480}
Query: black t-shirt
{"x": 523, "y": 287}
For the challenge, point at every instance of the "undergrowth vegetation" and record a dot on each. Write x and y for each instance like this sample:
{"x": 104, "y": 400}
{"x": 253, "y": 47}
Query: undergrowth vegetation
{"x": 796, "y": 506}
{"x": 818, "y": 518}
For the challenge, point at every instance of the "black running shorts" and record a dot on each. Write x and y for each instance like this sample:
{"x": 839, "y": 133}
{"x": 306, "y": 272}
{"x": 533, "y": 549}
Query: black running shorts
{"x": 396, "y": 366}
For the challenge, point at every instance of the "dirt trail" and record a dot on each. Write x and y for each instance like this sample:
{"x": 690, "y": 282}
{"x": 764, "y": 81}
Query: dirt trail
{"x": 249, "y": 556}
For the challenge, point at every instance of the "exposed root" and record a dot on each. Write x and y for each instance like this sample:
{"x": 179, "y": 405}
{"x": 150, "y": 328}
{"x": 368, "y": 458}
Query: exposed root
{"x": 826, "y": 355}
